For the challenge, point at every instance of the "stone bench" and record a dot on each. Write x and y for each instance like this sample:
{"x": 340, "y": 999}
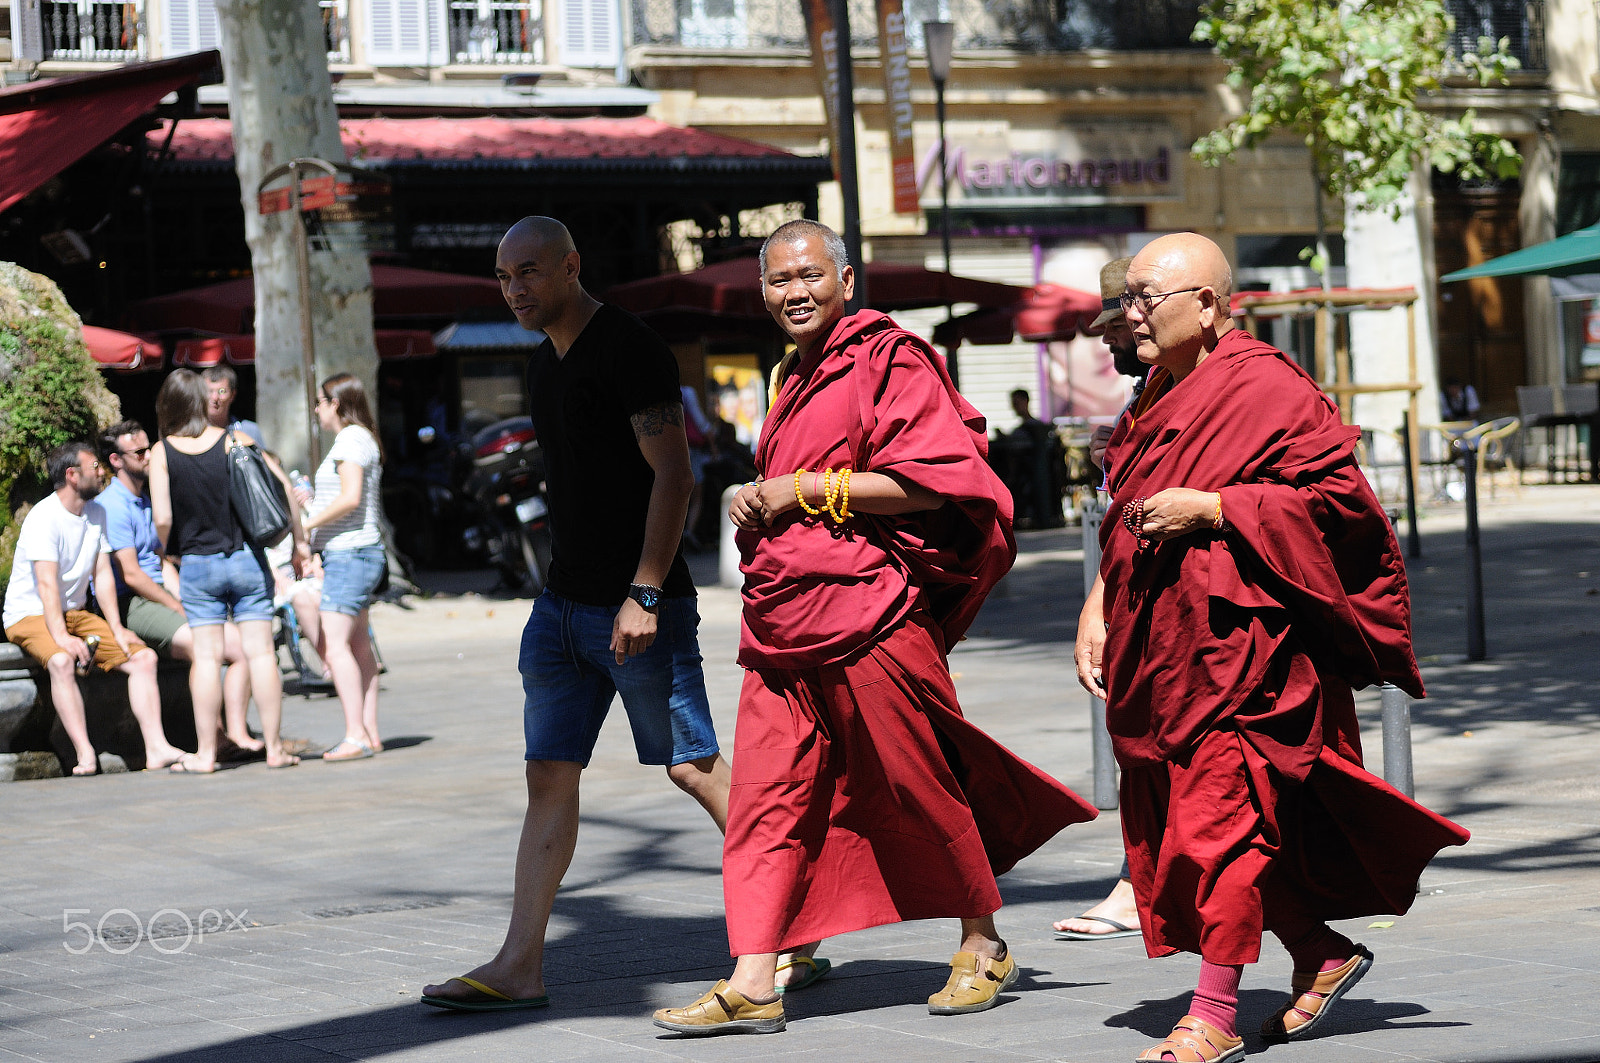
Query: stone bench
{"x": 33, "y": 743}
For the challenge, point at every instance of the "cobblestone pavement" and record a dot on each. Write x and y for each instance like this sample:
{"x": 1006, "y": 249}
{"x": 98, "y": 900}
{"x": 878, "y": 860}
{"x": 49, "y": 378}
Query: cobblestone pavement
{"x": 295, "y": 915}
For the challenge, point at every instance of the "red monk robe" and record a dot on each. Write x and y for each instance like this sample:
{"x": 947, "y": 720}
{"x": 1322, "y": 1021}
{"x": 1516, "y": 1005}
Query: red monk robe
{"x": 1230, "y": 658}
{"x": 861, "y": 795}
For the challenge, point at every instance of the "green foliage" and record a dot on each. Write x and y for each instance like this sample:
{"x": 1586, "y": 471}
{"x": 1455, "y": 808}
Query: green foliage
{"x": 51, "y": 392}
{"x": 1347, "y": 76}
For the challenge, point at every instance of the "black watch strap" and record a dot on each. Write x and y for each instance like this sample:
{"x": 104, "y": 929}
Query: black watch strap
{"x": 648, "y": 597}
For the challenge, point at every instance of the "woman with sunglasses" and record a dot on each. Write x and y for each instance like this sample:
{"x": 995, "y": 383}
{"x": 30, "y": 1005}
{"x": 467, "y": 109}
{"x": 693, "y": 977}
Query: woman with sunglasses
{"x": 344, "y": 528}
{"x": 219, "y": 573}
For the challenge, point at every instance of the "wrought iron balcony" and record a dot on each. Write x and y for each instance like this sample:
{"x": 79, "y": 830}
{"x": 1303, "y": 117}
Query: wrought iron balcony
{"x": 1017, "y": 25}
{"x": 1520, "y": 22}
{"x": 496, "y": 32}
{"x": 93, "y": 30}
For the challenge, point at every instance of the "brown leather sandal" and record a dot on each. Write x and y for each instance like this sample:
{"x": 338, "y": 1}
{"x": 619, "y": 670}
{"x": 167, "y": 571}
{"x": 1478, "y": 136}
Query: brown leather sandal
{"x": 1314, "y": 996}
{"x": 1194, "y": 1041}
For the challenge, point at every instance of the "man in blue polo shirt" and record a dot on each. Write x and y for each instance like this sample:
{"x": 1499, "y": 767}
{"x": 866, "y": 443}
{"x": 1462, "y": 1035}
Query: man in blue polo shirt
{"x": 150, "y": 607}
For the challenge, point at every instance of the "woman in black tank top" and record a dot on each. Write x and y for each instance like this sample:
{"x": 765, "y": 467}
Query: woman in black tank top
{"x": 202, "y": 518}
{"x": 219, "y": 574}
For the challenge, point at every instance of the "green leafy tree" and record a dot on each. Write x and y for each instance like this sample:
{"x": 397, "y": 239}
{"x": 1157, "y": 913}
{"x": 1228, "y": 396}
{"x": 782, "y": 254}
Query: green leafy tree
{"x": 1348, "y": 76}
{"x": 51, "y": 392}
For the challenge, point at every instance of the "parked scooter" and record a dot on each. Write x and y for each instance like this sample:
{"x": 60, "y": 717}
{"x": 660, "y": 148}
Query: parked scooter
{"x": 437, "y": 523}
{"x": 508, "y": 482}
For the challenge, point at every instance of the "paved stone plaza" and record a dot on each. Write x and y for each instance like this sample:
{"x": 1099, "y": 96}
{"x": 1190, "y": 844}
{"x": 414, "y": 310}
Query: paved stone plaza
{"x": 297, "y": 914}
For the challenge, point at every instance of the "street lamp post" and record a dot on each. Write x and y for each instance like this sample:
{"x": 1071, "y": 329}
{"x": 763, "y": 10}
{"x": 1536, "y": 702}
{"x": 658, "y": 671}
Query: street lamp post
{"x": 940, "y": 38}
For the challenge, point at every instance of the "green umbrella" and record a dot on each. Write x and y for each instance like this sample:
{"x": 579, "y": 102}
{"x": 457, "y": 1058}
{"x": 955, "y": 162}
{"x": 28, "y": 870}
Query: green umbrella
{"x": 1576, "y": 252}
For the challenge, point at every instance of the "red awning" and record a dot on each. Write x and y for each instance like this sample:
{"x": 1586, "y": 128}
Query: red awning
{"x": 472, "y": 141}
{"x": 46, "y": 126}
{"x": 119, "y": 350}
{"x": 397, "y": 291}
{"x": 732, "y": 290}
{"x": 205, "y": 351}
{"x": 1052, "y": 312}
{"x": 1045, "y": 312}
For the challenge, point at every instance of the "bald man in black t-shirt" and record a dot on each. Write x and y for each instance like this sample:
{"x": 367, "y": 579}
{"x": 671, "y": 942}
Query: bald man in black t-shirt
{"x": 618, "y": 614}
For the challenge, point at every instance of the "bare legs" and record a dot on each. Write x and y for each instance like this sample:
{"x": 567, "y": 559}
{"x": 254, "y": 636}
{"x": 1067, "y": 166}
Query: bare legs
{"x": 144, "y": 698}
{"x": 261, "y": 656}
{"x": 205, "y": 691}
{"x": 68, "y": 700}
{"x": 355, "y": 674}
{"x": 549, "y": 836}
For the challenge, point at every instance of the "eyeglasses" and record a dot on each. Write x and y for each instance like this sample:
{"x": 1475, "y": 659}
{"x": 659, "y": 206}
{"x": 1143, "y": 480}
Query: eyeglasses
{"x": 324, "y": 400}
{"x": 137, "y": 450}
{"x": 1146, "y": 301}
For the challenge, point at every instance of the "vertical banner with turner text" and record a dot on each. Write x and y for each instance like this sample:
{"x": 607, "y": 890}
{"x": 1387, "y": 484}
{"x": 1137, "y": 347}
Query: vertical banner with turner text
{"x": 896, "y": 59}
{"x": 825, "y": 63}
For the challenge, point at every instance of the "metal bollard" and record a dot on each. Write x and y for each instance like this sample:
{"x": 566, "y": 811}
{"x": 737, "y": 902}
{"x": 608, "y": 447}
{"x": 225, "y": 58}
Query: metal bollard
{"x": 1397, "y": 738}
{"x": 1105, "y": 764}
{"x": 1477, "y": 649}
{"x": 728, "y": 573}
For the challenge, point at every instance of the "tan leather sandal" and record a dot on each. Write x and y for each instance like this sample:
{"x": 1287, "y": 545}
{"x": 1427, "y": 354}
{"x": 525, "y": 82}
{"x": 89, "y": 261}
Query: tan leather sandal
{"x": 722, "y": 1010}
{"x": 975, "y": 984}
{"x": 1194, "y": 1041}
{"x": 1314, "y": 996}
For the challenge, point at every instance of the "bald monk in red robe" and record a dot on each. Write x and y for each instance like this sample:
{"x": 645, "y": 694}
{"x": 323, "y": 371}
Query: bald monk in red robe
{"x": 1249, "y": 580}
{"x": 860, "y": 794}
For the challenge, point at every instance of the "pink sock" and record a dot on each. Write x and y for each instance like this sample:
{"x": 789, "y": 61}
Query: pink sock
{"x": 1216, "y": 999}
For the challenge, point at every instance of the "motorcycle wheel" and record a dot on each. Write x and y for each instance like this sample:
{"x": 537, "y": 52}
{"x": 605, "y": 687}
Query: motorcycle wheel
{"x": 535, "y": 546}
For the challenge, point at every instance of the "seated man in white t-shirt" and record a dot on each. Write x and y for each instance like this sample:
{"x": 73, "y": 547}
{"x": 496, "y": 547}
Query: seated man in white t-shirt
{"x": 61, "y": 548}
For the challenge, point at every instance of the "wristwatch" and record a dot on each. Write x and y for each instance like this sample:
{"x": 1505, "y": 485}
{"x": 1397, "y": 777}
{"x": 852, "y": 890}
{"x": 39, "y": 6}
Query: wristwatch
{"x": 648, "y": 597}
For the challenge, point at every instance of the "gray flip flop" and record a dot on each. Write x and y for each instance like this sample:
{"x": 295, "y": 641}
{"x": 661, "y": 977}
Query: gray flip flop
{"x": 1118, "y": 930}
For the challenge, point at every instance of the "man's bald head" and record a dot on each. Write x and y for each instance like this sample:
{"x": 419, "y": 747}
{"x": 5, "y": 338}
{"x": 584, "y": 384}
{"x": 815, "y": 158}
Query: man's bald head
{"x": 537, "y": 267}
{"x": 1188, "y": 258}
{"x": 547, "y": 235}
{"x": 1179, "y": 288}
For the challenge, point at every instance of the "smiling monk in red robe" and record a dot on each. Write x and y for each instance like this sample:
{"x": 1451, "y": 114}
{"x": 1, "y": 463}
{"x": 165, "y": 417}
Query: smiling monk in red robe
{"x": 1249, "y": 580}
{"x": 860, "y": 795}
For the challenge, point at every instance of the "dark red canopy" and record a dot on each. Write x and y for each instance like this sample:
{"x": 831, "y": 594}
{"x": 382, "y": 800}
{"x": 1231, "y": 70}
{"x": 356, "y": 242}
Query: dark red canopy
{"x": 397, "y": 291}
{"x": 1045, "y": 312}
{"x": 733, "y": 290}
{"x": 206, "y": 351}
{"x": 120, "y": 350}
{"x": 46, "y": 126}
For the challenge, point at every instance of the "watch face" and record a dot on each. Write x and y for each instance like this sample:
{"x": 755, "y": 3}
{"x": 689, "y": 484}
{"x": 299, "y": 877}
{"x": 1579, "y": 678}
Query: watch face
{"x": 646, "y": 597}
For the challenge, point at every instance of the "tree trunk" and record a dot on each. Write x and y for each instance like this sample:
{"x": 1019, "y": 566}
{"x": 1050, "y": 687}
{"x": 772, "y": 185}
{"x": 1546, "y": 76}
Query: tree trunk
{"x": 280, "y": 99}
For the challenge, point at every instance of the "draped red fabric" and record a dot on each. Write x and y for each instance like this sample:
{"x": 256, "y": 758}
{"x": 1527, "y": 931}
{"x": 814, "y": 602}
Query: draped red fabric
{"x": 1230, "y": 658}
{"x": 878, "y": 399}
{"x": 860, "y": 794}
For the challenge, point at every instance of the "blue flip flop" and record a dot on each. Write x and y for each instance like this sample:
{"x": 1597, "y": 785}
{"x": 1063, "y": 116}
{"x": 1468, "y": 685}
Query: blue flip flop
{"x": 497, "y": 1001}
{"x": 815, "y": 970}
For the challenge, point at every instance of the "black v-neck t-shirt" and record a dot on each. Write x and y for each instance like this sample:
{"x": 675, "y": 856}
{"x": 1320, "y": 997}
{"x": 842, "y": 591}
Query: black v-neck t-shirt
{"x": 598, "y": 481}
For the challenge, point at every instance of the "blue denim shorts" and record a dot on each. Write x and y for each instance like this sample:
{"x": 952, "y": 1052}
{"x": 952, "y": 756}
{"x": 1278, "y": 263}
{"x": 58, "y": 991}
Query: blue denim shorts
{"x": 570, "y": 675}
{"x": 212, "y": 585}
{"x": 349, "y": 577}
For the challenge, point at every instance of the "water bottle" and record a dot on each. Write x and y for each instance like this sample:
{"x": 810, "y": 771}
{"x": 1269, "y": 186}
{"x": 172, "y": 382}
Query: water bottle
{"x": 301, "y": 482}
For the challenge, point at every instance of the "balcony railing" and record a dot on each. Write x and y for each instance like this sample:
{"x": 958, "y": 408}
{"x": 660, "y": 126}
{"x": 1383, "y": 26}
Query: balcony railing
{"x": 93, "y": 30}
{"x": 1520, "y": 22}
{"x": 1021, "y": 25}
{"x": 496, "y": 32}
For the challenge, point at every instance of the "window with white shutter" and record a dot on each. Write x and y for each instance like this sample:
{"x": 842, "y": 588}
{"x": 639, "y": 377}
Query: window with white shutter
{"x": 590, "y": 35}
{"x": 191, "y": 26}
{"x": 406, "y": 33}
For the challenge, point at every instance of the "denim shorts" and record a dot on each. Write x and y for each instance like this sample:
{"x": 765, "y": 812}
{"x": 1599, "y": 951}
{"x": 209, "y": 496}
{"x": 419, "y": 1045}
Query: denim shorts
{"x": 570, "y": 675}
{"x": 349, "y": 577}
{"x": 211, "y": 585}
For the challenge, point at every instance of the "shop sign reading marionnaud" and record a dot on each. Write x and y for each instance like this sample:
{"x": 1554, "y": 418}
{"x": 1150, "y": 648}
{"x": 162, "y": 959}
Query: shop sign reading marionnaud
{"x": 1081, "y": 163}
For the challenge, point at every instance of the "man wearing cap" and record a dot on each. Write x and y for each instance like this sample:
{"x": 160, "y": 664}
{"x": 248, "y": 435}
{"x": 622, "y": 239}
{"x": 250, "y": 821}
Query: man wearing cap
{"x": 1118, "y": 915}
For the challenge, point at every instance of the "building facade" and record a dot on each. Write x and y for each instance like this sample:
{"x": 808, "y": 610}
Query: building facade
{"x": 1068, "y": 130}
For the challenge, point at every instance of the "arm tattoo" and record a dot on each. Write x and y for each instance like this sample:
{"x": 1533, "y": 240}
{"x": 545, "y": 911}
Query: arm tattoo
{"x": 653, "y": 420}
